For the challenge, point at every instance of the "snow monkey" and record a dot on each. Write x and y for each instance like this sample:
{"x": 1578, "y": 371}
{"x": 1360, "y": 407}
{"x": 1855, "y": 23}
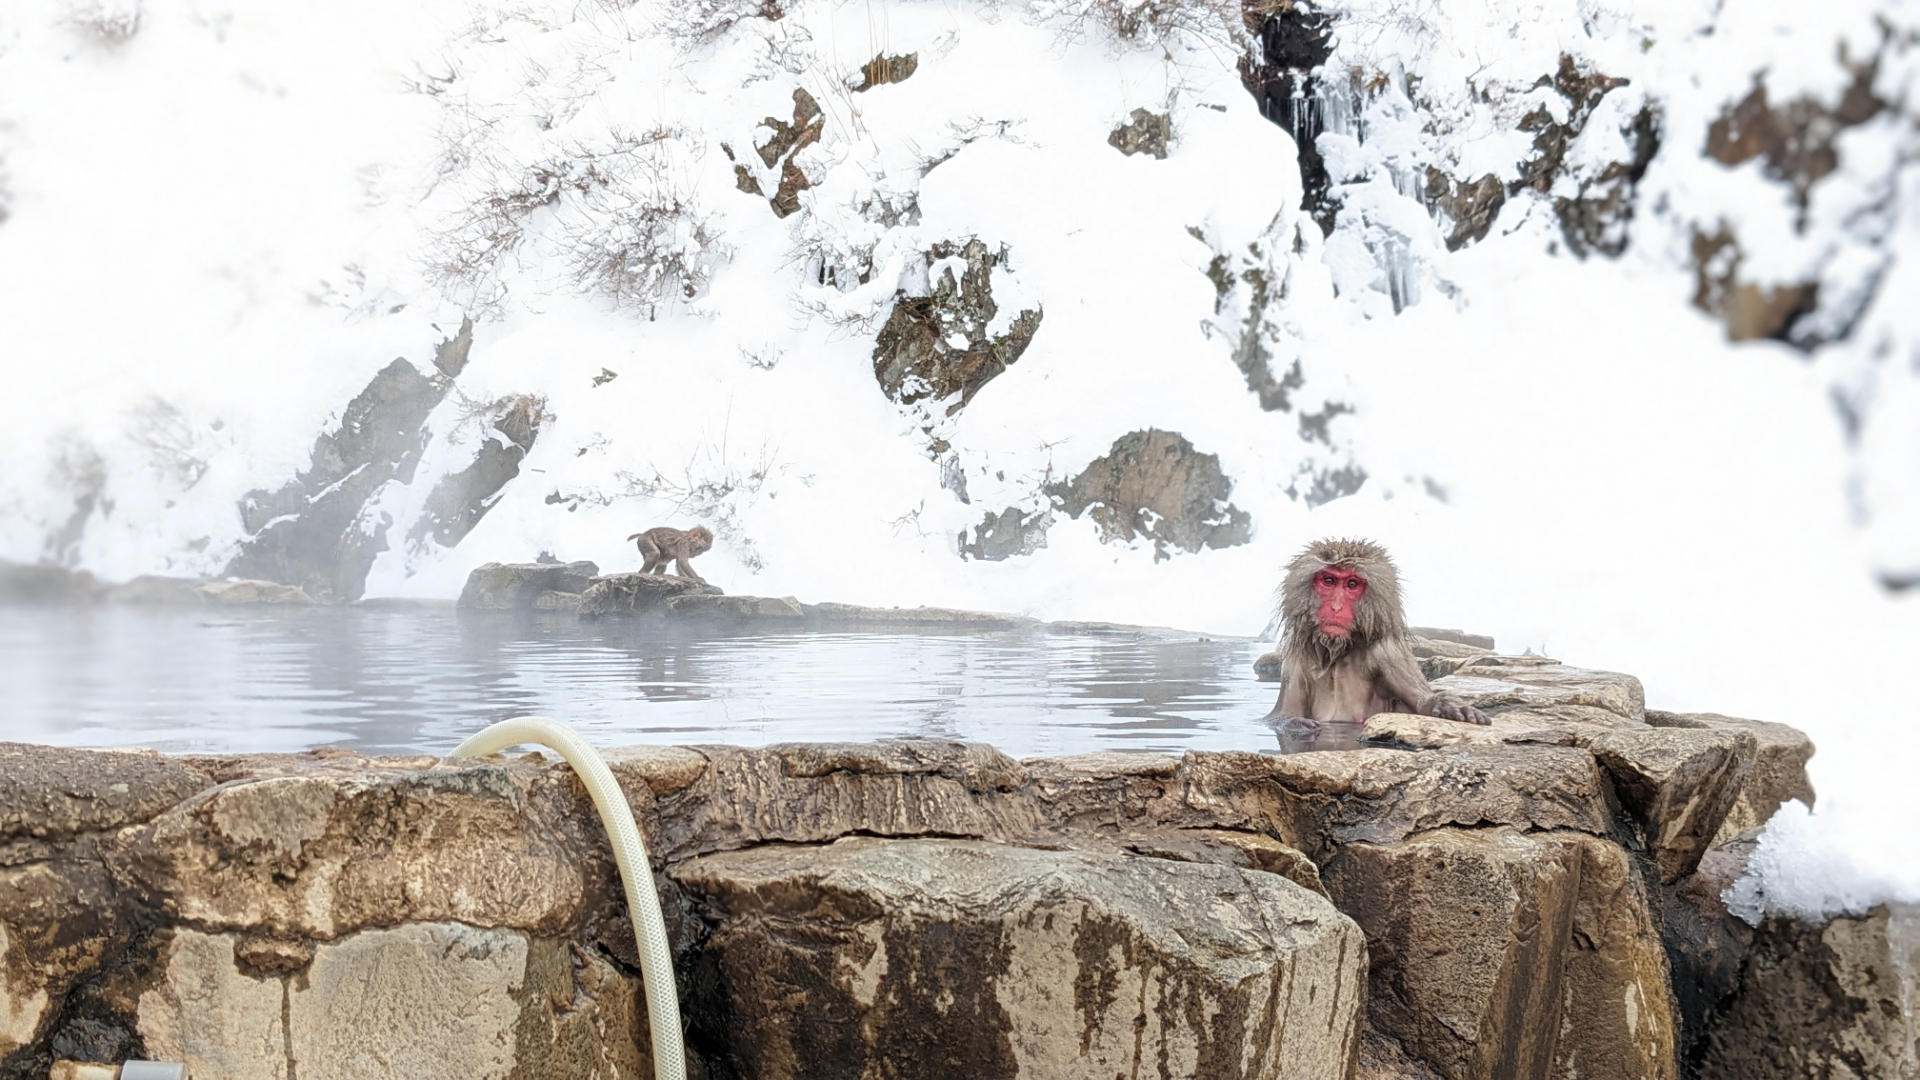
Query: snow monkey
{"x": 661, "y": 545}
{"x": 1343, "y": 641}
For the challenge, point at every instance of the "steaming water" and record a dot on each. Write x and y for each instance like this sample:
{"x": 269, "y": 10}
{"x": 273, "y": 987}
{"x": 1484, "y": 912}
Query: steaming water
{"x": 288, "y": 679}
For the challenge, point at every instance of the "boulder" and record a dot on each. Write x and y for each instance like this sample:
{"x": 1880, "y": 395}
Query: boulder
{"x": 251, "y": 592}
{"x": 712, "y": 607}
{"x": 1706, "y": 944}
{"x": 44, "y": 583}
{"x": 1499, "y": 683}
{"x": 519, "y": 586}
{"x": 1252, "y": 851}
{"x": 1497, "y": 953}
{"x": 638, "y": 594}
{"x": 1779, "y": 770}
{"x": 61, "y": 912}
{"x": 1318, "y": 802}
{"x": 937, "y": 958}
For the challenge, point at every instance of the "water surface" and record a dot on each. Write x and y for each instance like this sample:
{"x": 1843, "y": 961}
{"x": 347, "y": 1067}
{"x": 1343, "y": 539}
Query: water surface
{"x": 275, "y": 679}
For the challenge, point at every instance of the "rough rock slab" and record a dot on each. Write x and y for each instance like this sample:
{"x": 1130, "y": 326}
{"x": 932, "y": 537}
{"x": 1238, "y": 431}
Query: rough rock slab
{"x": 1679, "y": 783}
{"x": 940, "y": 958}
{"x": 322, "y": 853}
{"x": 707, "y": 607}
{"x": 1227, "y": 847}
{"x": 51, "y": 793}
{"x": 811, "y": 793}
{"x": 1779, "y": 767}
{"x": 1319, "y": 801}
{"x": 1496, "y": 953}
{"x": 518, "y": 586}
{"x": 415, "y": 1001}
{"x": 637, "y": 594}
{"x": 1497, "y": 683}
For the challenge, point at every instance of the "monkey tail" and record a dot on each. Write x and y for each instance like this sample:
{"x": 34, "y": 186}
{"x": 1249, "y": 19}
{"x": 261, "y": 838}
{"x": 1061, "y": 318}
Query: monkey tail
{"x": 635, "y": 536}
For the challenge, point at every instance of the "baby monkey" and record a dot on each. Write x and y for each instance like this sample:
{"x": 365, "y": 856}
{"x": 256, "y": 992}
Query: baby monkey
{"x": 1343, "y": 651}
{"x": 661, "y": 545}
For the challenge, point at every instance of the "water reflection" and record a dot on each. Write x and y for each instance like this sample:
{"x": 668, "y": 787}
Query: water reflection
{"x": 1303, "y": 736}
{"x": 282, "y": 679}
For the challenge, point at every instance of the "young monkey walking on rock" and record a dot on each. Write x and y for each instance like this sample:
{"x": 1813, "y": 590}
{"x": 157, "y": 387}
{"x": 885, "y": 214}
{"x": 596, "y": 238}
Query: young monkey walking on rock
{"x": 1343, "y": 641}
{"x": 661, "y": 545}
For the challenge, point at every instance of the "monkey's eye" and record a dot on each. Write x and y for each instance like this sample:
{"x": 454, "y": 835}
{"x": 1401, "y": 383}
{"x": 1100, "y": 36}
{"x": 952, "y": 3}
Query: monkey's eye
{"x": 1329, "y": 580}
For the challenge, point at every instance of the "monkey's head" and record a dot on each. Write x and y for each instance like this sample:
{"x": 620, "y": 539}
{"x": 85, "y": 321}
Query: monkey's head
{"x": 1338, "y": 594}
{"x": 699, "y": 539}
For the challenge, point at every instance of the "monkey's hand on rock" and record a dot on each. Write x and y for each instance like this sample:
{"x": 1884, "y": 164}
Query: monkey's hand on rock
{"x": 1454, "y": 710}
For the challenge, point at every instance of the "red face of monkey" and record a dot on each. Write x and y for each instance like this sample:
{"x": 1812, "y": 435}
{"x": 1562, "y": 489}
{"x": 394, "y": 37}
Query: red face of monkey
{"x": 1339, "y": 590}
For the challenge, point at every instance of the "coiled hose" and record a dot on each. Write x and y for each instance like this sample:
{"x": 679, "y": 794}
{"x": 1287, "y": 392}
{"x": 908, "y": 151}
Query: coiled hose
{"x": 636, "y": 873}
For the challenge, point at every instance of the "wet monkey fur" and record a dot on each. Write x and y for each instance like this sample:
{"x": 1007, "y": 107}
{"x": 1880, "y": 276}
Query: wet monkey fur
{"x": 1344, "y": 654}
{"x": 661, "y": 545}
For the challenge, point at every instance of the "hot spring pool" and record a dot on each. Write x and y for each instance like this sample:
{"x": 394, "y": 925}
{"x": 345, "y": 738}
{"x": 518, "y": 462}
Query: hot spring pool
{"x": 278, "y": 679}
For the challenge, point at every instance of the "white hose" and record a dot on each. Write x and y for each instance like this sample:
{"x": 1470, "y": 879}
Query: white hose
{"x": 636, "y": 873}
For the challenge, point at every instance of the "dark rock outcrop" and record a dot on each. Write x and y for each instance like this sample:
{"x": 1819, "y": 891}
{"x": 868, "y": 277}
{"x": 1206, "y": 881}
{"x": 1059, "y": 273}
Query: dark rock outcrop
{"x": 1296, "y": 40}
{"x": 317, "y": 531}
{"x": 1154, "y": 485}
{"x": 884, "y": 69}
{"x": 458, "y": 502}
{"x": 783, "y": 141}
{"x": 937, "y": 348}
{"x": 1595, "y": 215}
{"x": 1010, "y": 533}
{"x": 1146, "y": 133}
